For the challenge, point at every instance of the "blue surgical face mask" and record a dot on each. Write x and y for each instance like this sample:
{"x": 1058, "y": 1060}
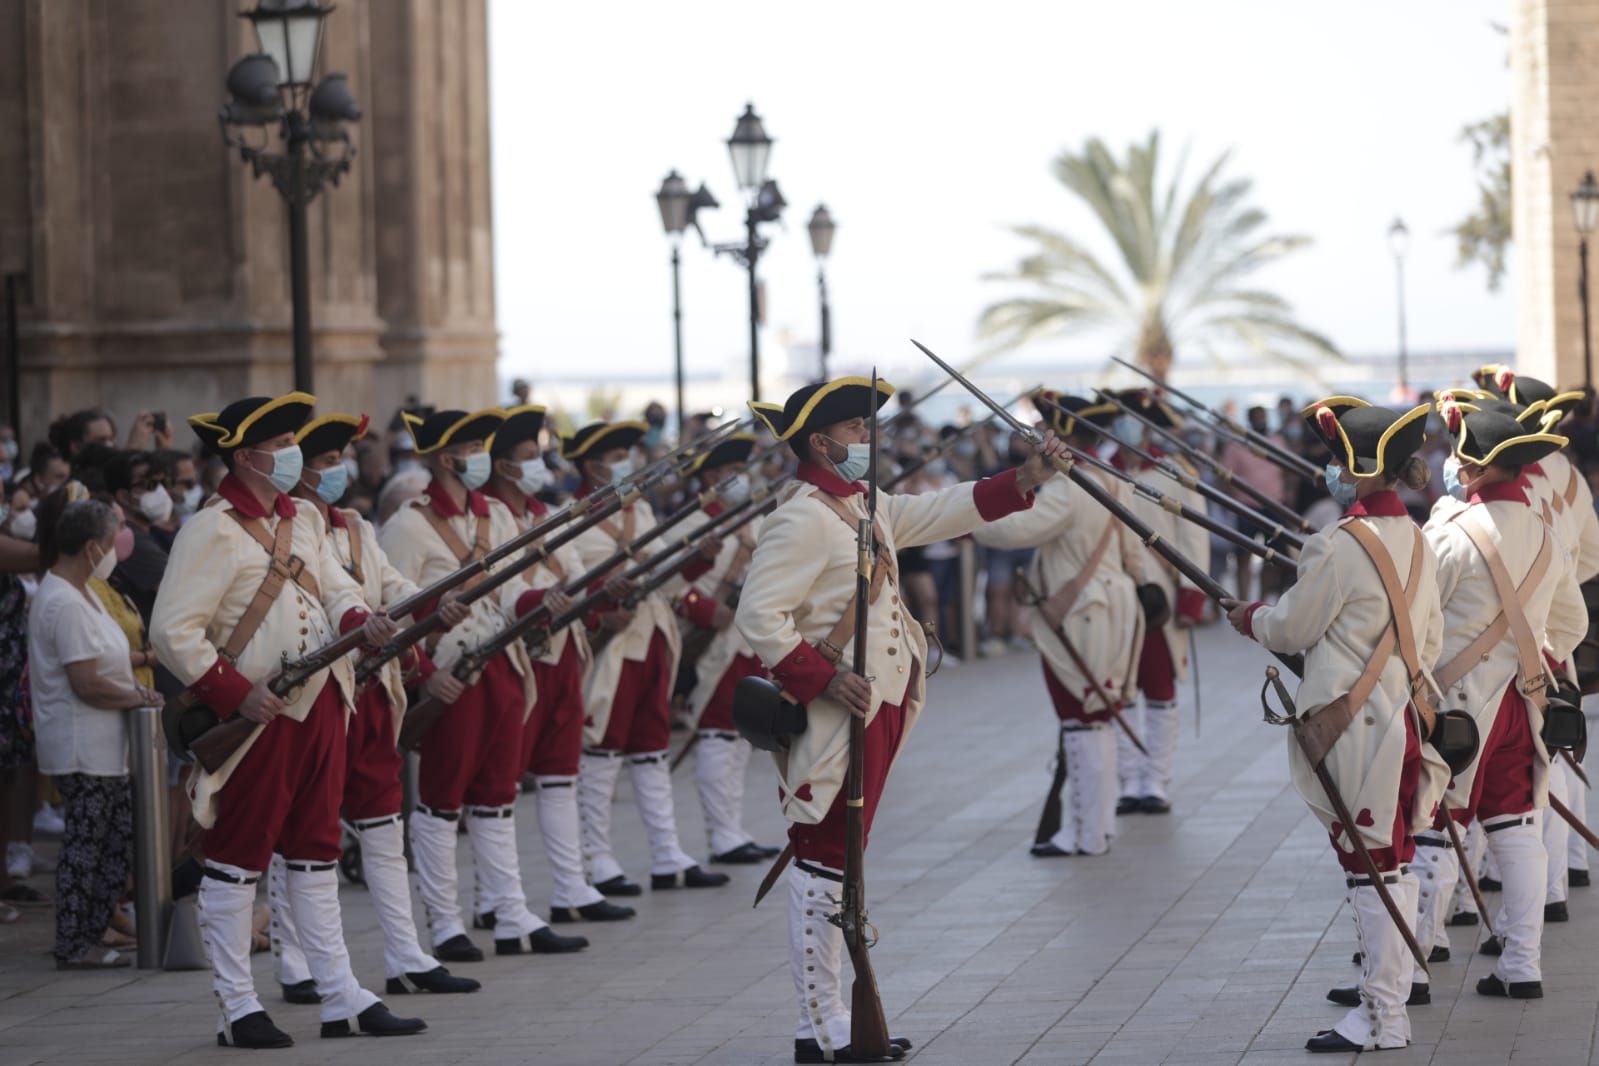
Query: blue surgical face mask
{"x": 287, "y": 465}
{"x": 855, "y": 463}
{"x": 334, "y": 481}
{"x": 1452, "y": 483}
{"x": 1342, "y": 492}
{"x": 535, "y": 475}
{"x": 735, "y": 490}
{"x": 1129, "y": 429}
{"x": 621, "y": 469}
{"x": 476, "y": 473}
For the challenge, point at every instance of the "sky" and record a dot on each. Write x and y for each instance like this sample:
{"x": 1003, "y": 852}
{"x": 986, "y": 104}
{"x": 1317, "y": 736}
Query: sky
{"x": 928, "y": 130}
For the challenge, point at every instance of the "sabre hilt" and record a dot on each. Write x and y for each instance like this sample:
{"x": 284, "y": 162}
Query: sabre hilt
{"x": 1274, "y": 681}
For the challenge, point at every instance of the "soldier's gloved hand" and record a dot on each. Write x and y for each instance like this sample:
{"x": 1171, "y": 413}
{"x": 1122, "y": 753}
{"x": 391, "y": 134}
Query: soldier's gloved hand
{"x": 378, "y": 630}
{"x": 557, "y": 601}
{"x": 260, "y": 705}
{"x": 444, "y": 687}
{"x": 452, "y": 612}
{"x": 619, "y": 588}
{"x": 852, "y": 690}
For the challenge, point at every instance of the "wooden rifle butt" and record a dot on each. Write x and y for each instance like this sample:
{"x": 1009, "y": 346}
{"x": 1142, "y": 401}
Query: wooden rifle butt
{"x": 213, "y": 748}
{"x": 419, "y": 720}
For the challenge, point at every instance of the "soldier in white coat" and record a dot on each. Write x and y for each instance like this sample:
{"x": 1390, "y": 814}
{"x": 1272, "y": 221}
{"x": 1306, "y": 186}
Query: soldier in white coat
{"x": 799, "y": 592}
{"x": 1338, "y": 614}
{"x": 1164, "y": 662}
{"x": 629, "y": 690}
{"x": 252, "y": 580}
{"x": 1085, "y": 580}
{"x": 372, "y": 791}
{"x": 1479, "y": 671}
{"x": 470, "y": 763}
{"x": 721, "y": 756}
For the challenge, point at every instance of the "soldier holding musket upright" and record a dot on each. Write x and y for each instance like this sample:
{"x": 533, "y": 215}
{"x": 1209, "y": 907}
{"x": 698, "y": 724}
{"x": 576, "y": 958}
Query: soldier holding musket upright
{"x": 797, "y": 611}
{"x": 372, "y": 791}
{"x": 471, "y": 760}
{"x": 1365, "y": 613}
{"x": 253, "y": 582}
{"x": 552, "y": 737}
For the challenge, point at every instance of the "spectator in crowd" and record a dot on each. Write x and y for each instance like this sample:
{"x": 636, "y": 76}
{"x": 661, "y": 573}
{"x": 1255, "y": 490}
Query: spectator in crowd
{"x": 1265, "y": 475}
{"x": 138, "y": 485}
{"x": 82, "y": 676}
{"x": 70, "y": 434}
{"x": 1001, "y": 564}
{"x": 18, "y": 788}
{"x": 521, "y": 392}
{"x": 182, "y": 476}
{"x": 46, "y": 472}
{"x": 10, "y": 453}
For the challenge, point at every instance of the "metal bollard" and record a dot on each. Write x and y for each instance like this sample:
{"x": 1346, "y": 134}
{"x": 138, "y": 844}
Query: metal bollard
{"x": 968, "y": 596}
{"x": 152, "y": 862}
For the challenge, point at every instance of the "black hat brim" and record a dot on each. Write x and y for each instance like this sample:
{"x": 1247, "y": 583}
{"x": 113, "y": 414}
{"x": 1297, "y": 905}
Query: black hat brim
{"x": 735, "y": 449}
{"x": 444, "y": 428}
{"x": 521, "y": 424}
{"x": 1369, "y": 441}
{"x": 330, "y": 433}
{"x": 248, "y": 422}
{"x": 814, "y": 407}
{"x": 597, "y": 438}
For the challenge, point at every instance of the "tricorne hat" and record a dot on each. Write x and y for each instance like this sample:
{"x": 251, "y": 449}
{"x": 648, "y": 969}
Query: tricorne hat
{"x": 1494, "y": 438}
{"x": 252, "y": 420}
{"x": 1370, "y": 441}
{"x": 1151, "y": 405}
{"x": 735, "y": 449}
{"x": 443, "y": 428}
{"x": 521, "y": 424}
{"x": 823, "y": 404}
{"x": 1062, "y": 411}
{"x": 597, "y": 438}
{"x": 331, "y": 433}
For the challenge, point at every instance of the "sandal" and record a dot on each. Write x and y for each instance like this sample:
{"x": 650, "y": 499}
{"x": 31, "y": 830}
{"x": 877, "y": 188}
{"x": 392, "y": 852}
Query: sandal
{"x": 113, "y": 939}
{"x": 95, "y": 959}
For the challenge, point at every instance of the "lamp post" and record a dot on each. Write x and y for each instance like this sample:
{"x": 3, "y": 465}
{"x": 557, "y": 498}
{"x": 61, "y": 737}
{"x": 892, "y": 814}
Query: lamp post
{"x": 274, "y": 87}
{"x": 1399, "y": 244}
{"x": 751, "y": 149}
{"x": 1585, "y": 208}
{"x": 821, "y": 228}
{"x": 679, "y": 211}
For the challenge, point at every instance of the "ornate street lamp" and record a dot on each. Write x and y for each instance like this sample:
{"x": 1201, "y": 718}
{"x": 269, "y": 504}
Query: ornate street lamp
{"x": 673, "y": 200}
{"x": 274, "y": 87}
{"x": 821, "y": 228}
{"x": 751, "y": 150}
{"x": 1399, "y": 244}
{"x": 1585, "y": 210}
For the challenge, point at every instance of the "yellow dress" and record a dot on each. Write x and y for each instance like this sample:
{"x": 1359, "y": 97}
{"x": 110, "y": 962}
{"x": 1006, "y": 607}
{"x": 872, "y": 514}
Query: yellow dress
{"x": 122, "y": 611}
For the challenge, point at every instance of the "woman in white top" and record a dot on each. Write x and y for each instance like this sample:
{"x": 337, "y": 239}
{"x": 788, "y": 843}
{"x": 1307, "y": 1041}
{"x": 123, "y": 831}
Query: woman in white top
{"x": 82, "y": 677}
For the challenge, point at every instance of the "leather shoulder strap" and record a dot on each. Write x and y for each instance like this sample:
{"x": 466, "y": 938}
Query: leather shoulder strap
{"x": 1531, "y": 670}
{"x": 277, "y": 545}
{"x": 452, "y": 540}
{"x": 1067, "y": 594}
{"x": 1473, "y": 653}
{"x": 352, "y": 525}
{"x": 1570, "y": 495}
{"x": 1399, "y": 629}
{"x": 293, "y": 567}
{"x": 883, "y": 567}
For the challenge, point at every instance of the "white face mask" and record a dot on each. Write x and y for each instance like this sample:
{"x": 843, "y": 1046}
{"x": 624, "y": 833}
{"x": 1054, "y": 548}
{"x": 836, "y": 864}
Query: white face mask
{"x": 735, "y": 490}
{"x": 535, "y": 475}
{"x": 105, "y": 564}
{"x": 24, "y": 525}
{"x": 156, "y": 505}
{"x": 190, "y": 502}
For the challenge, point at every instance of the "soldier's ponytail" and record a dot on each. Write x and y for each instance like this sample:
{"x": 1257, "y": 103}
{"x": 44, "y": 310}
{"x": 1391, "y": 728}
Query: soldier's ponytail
{"x": 1414, "y": 472}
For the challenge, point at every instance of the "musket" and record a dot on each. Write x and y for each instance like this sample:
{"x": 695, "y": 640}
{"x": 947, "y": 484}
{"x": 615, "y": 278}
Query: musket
{"x": 1465, "y": 869}
{"x": 1213, "y": 589}
{"x": 949, "y": 442}
{"x": 1255, "y": 441}
{"x": 1573, "y": 821}
{"x": 868, "y": 1028}
{"x": 1049, "y": 818}
{"x": 1285, "y": 515}
{"x": 916, "y": 401}
{"x": 1113, "y": 707}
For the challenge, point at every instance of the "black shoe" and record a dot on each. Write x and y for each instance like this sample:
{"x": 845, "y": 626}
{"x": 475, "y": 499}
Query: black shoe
{"x": 458, "y": 949}
{"x": 1556, "y": 912}
{"x": 1464, "y": 918}
{"x": 301, "y": 993}
{"x": 693, "y": 877}
{"x": 254, "y": 1030}
{"x": 1328, "y": 1041}
{"x": 619, "y": 886}
{"x": 541, "y": 941}
{"x": 1488, "y": 884}
{"x": 809, "y": 1051}
{"x": 1154, "y": 805}
{"x": 1046, "y": 850}
{"x": 769, "y": 852}
{"x": 601, "y": 911}
{"x": 1420, "y": 996}
{"x": 484, "y": 921}
{"x": 745, "y": 854}
{"x": 437, "y": 980}
{"x": 1577, "y": 878}
{"x": 1439, "y": 953}
{"x": 1128, "y": 804}
{"x": 1491, "y": 946}
{"x": 374, "y": 1021}
{"x": 1492, "y": 986}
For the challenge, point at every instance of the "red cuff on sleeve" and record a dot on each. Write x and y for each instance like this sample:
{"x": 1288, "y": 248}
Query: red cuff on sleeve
{"x": 697, "y": 569}
{"x": 421, "y": 665}
{"x": 529, "y": 601}
{"x": 1191, "y": 604}
{"x": 1249, "y": 618}
{"x": 998, "y": 496}
{"x": 803, "y": 672}
{"x": 222, "y": 688}
{"x": 353, "y": 619}
{"x": 697, "y": 608}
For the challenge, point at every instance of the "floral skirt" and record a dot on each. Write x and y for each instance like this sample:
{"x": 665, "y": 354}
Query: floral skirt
{"x": 96, "y": 858}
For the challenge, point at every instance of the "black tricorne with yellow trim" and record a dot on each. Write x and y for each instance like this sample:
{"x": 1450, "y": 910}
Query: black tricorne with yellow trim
{"x": 597, "y": 438}
{"x": 1493, "y": 438}
{"x": 735, "y": 449}
{"x": 331, "y": 433}
{"x": 1504, "y": 382}
{"x": 1152, "y": 406}
{"x": 444, "y": 428}
{"x": 1061, "y": 411}
{"x": 250, "y": 421}
{"x": 814, "y": 407}
{"x": 521, "y": 424}
{"x": 1367, "y": 440}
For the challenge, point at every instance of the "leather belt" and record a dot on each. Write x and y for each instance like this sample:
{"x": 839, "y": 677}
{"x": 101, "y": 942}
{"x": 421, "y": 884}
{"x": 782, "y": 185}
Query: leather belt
{"x": 491, "y": 812}
{"x": 222, "y": 875}
{"x": 1431, "y": 842}
{"x": 645, "y": 760}
{"x": 310, "y": 867}
{"x": 719, "y": 734}
{"x": 599, "y": 754}
{"x": 1080, "y": 727}
{"x": 1525, "y": 819}
{"x": 817, "y": 871}
{"x": 361, "y": 827}
{"x": 443, "y": 816}
{"x": 1390, "y": 878}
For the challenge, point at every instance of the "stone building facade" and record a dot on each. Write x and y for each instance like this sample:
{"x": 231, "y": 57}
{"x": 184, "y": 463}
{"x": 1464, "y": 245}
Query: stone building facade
{"x": 1554, "y": 64}
{"x": 154, "y": 268}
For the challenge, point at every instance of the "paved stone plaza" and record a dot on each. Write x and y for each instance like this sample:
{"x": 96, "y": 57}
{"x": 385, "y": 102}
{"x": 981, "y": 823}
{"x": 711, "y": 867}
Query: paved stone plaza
{"x": 1209, "y": 936}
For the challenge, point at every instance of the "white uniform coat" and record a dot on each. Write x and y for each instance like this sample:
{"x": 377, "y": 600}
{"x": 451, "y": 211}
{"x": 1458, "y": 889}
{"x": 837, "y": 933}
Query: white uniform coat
{"x": 1106, "y": 623}
{"x": 633, "y": 643}
{"x": 1335, "y": 614}
{"x": 418, "y": 552}
{"x": 381, "y": 585}
{"x": 1563, "y": 492}
{"x": 800, "y": 580}
{"x": 1189, "y": 539}
{"x": 214, "y": 571}
{"x": 728, "y": 643}
{"x": 545, "y": 576}
{"x": 1471, "y": 604}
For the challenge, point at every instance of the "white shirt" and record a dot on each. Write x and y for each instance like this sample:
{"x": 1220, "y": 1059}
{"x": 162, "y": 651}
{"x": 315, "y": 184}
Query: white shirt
{"x": 66, "y": 625}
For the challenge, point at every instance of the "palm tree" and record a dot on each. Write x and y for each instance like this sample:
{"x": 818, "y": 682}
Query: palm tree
{"x": 1182, "y": 269}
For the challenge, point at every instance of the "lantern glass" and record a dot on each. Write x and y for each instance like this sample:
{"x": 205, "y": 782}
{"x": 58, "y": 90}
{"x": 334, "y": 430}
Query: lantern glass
{"x": 1585, "y": 205}
{"x": 673, "y": 199}
{"x": 751, "y": 150}
{"x": 821, "y": 229}
{"x": 290, "y": 31}
{"x": 1399, "y": 238}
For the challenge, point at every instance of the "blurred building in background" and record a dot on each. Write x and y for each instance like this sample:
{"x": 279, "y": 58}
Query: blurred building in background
{"x": 150, "y": 268}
